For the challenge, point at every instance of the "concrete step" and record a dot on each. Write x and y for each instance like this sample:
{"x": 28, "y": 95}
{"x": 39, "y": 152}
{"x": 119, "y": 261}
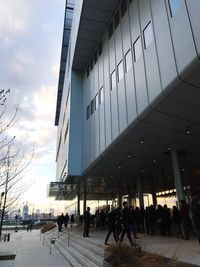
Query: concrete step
{"x": 85, "y": 243}
{"x": 86, "y": 251}
{"x": 67, "y": 256}
{"x": 84, "y": 256}
{"x": 83, "y": 260}
{"x": 89, "y": 240}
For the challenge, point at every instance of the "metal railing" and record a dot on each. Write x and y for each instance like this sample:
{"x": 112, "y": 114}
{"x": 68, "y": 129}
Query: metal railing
{"x": 56, "y": 235}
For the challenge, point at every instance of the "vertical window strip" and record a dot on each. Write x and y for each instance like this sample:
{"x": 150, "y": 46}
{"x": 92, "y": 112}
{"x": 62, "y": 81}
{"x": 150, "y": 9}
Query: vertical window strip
{"x": 148, "y": 35}
{"x": 113, "y": 80}
{"x": 128, "y": 61}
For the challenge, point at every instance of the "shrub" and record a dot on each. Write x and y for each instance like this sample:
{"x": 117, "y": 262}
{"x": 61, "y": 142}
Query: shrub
{"x": 47, "y": 227}
{"x": 122, "y": 255}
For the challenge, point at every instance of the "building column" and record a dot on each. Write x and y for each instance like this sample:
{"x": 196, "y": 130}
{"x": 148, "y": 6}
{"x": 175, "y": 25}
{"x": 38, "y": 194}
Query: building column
{"x": 177, "y": 175}
{"x": 153, "y": 192}
{"x": 119, "y": 199}
{"x": 84, "y": 194}
{"x": 140, "y": 192}
{"x": 78, "y": 201}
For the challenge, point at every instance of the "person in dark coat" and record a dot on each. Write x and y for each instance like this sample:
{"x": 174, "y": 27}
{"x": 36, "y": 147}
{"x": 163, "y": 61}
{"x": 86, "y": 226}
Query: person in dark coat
{"x": 126, "y": 219}
{"x": 176, "y": 217}
{"x": 196, "y": 217}
{"x": 111, "y": 225}
{"x": 166, "y": 218}
{"x": 66, "y": 220}
{"x": 60, "y": 221}
{"x": 87, "y": 220}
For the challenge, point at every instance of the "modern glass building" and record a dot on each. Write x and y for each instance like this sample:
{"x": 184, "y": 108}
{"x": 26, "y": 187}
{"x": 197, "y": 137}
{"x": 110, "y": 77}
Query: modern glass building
{"x": 128, "y": 104}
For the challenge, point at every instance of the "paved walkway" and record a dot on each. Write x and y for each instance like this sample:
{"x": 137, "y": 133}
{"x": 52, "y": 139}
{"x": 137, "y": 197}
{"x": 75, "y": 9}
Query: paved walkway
{"x": 30, "y": 251}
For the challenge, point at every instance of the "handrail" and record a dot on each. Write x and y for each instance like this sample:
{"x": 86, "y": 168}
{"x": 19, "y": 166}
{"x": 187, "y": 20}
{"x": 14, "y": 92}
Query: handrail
{"x": 68, "y": 230}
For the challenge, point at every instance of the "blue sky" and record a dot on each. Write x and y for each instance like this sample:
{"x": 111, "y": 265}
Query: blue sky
{"x": 31, "y": 36}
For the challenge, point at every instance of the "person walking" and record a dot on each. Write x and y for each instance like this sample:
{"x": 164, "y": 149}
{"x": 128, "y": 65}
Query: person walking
{"x": 195, "y": 210}
{"x": 66, "y": 220}
{"x": 126, "y": 219}
{"x": 111, "y": 225}
{"x": 86, "y": 218}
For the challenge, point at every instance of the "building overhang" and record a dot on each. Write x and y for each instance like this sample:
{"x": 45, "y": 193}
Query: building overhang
{"x": 64, "y": 52}
{"x": 94, "y": 19}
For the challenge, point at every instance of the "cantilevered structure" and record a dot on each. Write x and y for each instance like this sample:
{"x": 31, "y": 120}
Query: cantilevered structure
{"x": 128, "y": 106}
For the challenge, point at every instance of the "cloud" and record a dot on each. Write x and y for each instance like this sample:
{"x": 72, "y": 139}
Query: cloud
{"x": 31, "y": 35}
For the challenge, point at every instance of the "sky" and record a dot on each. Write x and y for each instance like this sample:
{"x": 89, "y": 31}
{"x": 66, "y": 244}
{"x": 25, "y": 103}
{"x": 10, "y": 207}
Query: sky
{"x": 30, "y": 47}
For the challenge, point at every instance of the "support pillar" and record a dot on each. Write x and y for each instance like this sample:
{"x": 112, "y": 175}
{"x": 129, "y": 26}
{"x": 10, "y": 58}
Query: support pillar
{"x": 140, "y": 192}
{"x": 177, "y": 176}
{"x": 78, "y": 201}
{"x": 84, "y": 195}
{"x": 119, "y": 199}
{"x": 154, "y": 197}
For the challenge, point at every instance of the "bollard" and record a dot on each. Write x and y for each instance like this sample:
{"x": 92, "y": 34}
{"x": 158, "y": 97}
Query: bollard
{"x": 8, "y": 237}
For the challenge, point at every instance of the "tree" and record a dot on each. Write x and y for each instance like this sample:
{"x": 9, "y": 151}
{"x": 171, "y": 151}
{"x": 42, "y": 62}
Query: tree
{"x": 13, "y": 162}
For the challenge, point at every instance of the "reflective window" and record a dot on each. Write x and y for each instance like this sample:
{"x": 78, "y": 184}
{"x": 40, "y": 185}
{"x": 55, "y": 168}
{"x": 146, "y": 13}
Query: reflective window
{"x": 128, "y": 61}
{"x": 88, "y": 71}
{"x": 137, "y": 47}
{"x": 100, "y": 49}
{"x": 174, "y": 6}
{"x": 110, "y": 29}
{"x": 101, "y": 95}
{"x": 113, "y": 80}
{"x": 123, "y": 7}
{"x": 148, "y": 35}
{"x": 91, "y": 64}
{"x": 95, "y": 57}
{"x": 117, "y": 19}
{"x": 92, "y": 106}
{"x": 88, "y": 112}
{"x": 96, "y": 99}
{"x": 120, "y": 71}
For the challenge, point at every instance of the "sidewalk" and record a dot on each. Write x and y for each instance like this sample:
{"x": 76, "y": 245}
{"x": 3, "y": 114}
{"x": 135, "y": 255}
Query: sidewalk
{"x": 30, "y": 251}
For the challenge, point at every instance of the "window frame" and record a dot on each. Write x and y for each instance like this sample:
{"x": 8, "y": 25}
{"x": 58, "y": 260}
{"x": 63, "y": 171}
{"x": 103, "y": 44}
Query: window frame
{"x": 96, "y": 101}
{"x": 125, "y": 61}
{"x": 111, "y": 80}
{"x": 136, "y": 57}
{"x": 92, "y": 108}
{"x": 146, "y": 41}
{"x": 118, "y": 72}
{"x": 88, "y": 112}
{"x": 101, "y": 95}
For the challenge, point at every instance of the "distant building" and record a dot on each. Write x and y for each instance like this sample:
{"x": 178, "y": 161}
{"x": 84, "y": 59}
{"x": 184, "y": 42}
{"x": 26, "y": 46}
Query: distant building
{"x": 25, "y": 211}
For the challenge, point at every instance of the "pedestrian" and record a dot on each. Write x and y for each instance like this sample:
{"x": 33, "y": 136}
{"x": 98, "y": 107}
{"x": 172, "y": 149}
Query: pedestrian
{"x": 66, "y": 220}
{"x": 176, "y": 217}
{"x": 30, "y": 226}
{"x": 126, "y": 219}
{"x": 60, "y": 221}
{"x": 196, "y": 216}
{"x": 111, "y": 225}
{"x": 86, "y": 219}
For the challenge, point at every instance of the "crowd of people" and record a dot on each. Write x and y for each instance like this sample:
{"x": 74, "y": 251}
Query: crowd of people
{"x": 63, "y": 220}
{"x": 182, "y": 222}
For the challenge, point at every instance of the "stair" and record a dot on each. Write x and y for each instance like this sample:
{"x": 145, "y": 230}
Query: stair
{"x": 81, "y": 252}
